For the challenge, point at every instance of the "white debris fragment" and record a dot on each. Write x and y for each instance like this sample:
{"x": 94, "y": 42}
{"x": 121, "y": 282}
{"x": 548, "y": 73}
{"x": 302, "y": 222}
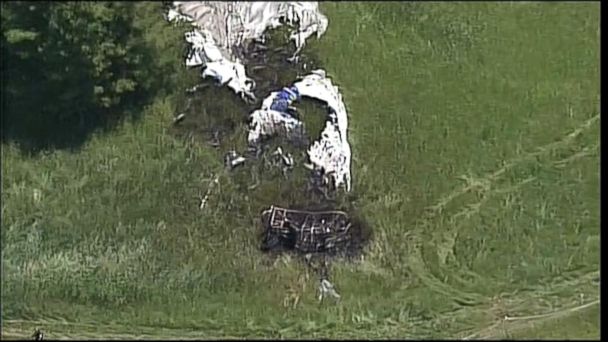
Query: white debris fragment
{"x": 287, "y": 159}
{"x": 174, "y": 16}
{"x": 179, "y": 118}
{"x": 223, "y": 27}
{"x": 232, "y": 159}
{"x": 327, "y": 288}
{"x": 283, "y": 160}
{"x": 204, "y": 52}
{"x": 212, "y": 184}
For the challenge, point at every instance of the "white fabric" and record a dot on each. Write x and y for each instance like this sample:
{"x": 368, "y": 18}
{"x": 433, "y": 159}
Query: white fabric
{"x": 268, "y": 122}
{"x": 231, "y": 22}
{"x": 221, "y": 26}
{"x": 203, "y": 47}
{"x": 332, "y": 152}
{"x": 205, "y": 52}
{"x": 174, "y": 16}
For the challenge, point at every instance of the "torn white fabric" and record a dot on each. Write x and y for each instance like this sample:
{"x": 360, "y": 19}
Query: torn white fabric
{"x": 203, "y": 48}
{"x": 174, "y": 16}
{"x": 331, "y": 153}
{"x": 223, "y": 27}
{"x": 225, "y": 72}
{"x": 267, "y": 122}
{"x": 233, "y": 22}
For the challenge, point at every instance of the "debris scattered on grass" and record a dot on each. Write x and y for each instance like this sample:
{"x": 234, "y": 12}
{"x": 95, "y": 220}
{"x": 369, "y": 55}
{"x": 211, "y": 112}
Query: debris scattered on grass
{"x": 222, "y": 29}
{"x": 212, "y": 184}
{"x": 329, "y": 232}
{"x": 38, "y": 335}
{"x": 331, "y": 155}
{"x": 221, "y": 43}
{"x": 233, "y": 159}
{"x": 229, "y": 36}
{"x": 327, "y": 288}
{"x": 179, "y": 118}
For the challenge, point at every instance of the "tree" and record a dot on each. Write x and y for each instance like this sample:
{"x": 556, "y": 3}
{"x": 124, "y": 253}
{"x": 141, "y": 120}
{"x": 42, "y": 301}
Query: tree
{"x": 67, "y": 66}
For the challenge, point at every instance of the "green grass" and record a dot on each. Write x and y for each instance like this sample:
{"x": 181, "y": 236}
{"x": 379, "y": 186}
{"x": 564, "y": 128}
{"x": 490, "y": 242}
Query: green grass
{"x": 475, "y": 138}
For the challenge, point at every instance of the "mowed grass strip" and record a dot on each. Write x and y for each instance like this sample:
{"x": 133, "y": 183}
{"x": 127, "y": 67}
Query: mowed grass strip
{"x": 475, "y": 134}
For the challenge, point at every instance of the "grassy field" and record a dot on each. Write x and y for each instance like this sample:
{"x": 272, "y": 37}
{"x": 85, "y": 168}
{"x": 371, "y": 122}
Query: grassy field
{"x": 475, "y": 138}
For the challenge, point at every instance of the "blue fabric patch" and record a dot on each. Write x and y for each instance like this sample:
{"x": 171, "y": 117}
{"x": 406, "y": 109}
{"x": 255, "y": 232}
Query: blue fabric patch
{"x": 284, "y": 99}
{"x": 280, "y": 105}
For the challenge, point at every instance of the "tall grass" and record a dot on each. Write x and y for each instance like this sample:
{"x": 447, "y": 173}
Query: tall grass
{"x": 475, "y": 136}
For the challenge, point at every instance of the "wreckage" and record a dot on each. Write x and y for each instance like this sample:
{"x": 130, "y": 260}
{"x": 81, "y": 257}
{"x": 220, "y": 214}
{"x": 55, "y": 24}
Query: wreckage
{"x": 219, "y": 44}
{"x": 306, "y": 231}
{"x": 331, "y": 155}
{"x": 222, "y": 29}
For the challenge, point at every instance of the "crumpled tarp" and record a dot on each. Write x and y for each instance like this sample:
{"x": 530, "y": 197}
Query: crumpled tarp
{"x": 223, "y": 27}
{"x": 331, "y": 153}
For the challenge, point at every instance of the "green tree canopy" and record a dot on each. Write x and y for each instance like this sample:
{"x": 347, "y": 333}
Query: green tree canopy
{"x": 68, "y": 65}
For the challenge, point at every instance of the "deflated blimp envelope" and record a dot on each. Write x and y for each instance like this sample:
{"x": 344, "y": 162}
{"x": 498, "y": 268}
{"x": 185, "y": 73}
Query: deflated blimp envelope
{"x": 222, "y": 28}
{"x": 221, "y": 31}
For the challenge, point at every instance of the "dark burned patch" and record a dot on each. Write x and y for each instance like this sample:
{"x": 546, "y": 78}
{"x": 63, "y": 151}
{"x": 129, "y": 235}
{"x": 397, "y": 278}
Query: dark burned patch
{"x": 318, "y": 230}
{"x": 217, "y": 117}
{"x": 271, "y": 70}
{"x": 213, "y": 112}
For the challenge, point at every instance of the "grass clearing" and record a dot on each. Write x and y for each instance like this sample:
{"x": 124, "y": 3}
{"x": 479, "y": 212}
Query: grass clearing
{"x": 475, "y": 139}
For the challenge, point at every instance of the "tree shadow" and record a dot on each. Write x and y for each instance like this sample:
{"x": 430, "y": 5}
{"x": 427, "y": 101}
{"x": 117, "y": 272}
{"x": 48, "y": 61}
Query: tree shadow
{"x": 34, "y": 130}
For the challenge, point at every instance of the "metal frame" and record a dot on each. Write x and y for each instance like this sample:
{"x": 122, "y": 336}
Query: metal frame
{"x": 315, "y": 231}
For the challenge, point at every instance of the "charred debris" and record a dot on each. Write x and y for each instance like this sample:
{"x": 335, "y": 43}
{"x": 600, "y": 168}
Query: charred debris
{"x": 320, "y": 228}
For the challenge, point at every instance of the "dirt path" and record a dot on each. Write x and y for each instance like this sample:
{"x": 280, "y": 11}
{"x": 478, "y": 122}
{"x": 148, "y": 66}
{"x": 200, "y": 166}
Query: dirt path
{"x": 63, "y": 330}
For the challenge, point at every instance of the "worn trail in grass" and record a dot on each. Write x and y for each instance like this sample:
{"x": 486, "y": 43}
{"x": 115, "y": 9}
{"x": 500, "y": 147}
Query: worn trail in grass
{"x": 475, "y": 138}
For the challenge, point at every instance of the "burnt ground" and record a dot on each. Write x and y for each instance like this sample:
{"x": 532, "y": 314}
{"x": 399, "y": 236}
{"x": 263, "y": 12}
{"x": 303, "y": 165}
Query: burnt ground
{"x": 217, "y": 117}
{"x": 348, "y": 245}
